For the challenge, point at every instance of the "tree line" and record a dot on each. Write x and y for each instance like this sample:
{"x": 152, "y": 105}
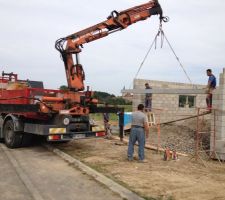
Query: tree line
{"x": 104, "y": 97}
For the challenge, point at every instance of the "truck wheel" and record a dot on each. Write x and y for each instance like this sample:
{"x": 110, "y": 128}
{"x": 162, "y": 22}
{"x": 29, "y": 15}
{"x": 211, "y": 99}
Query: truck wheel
{"x": 12, "y": 139}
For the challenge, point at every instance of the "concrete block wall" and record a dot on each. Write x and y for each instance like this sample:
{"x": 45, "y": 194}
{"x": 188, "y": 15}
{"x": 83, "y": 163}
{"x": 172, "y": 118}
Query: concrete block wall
{"x": 168, "y": 102}
{"x": 217, "y": 139}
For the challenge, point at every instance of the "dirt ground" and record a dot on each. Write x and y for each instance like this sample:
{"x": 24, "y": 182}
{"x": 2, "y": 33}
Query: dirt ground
{"x": 157, "y": 179}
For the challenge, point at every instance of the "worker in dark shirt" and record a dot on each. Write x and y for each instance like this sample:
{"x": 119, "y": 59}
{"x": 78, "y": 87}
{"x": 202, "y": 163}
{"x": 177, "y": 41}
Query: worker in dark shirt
{"x": 148, "y": 99}
{"x": 210, "y": 87}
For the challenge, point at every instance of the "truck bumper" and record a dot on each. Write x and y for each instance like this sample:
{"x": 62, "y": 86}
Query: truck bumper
{"x": 74, "y": 136}
{"x": 54, "y": 133}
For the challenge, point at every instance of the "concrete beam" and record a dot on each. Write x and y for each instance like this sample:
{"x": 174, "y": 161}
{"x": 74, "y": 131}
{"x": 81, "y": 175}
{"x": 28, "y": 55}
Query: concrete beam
{"x": 164, "y": 91}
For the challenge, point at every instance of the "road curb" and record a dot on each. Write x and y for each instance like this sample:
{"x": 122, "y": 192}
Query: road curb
{"x": 117, "y": 188}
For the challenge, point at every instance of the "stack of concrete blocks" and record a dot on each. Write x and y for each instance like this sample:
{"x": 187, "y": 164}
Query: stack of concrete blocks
{"x": 169, "y": 103}
{"x": 217, "y": 139}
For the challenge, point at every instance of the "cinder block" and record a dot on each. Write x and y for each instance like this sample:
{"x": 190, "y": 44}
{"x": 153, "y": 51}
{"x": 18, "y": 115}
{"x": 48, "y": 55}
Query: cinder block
{"x": 219, "y": 136}
{"x": 221, "y": 156}
{"x": 215, "y": 97}
{"x": 220, "y": 146}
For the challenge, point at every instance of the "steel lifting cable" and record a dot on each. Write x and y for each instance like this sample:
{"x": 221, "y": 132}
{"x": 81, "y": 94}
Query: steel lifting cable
{"x": 161, "y": 32}
{"x": 145, "y": 57}
{"x": 178, "y": 59}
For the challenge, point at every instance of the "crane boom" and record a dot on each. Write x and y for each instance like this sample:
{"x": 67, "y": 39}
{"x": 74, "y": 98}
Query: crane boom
{"x": 117, "y": 21}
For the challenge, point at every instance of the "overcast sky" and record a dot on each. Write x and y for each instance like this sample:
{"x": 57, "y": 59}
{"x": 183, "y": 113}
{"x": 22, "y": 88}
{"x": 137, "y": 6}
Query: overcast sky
{"x": 29, "y": 29}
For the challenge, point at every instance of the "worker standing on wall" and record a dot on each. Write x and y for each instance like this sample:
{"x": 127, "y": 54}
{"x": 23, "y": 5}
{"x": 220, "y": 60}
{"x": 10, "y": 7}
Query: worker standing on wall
{"x": 139, "y": 131}
{"x": 210, "y": 87}
{"x": 148, "y": 99}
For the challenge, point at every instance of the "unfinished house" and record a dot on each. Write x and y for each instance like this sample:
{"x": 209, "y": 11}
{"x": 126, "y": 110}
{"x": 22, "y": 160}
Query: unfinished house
{"x": 177, "y": 106}
{"x": 172, "y": 106}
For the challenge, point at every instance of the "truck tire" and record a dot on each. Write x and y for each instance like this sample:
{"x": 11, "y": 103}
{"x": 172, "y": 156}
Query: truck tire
{"x": 12, "y": 139}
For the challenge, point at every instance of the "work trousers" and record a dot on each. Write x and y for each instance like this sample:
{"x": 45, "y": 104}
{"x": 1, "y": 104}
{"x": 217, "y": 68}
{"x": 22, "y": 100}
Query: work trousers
{"x": 137, "y": 134}
{"x": 209, "y": 92}
{"x": 148, "y": 103}
{"x": 209, "y": 100}
{"x": 107, "y": 129}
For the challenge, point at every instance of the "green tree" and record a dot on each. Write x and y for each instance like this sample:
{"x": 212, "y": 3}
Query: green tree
{"x": 63, "y": 87}
{"x": 111, "y": 99}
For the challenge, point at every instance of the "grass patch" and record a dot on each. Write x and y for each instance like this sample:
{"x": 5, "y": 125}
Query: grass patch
{"x": 112, "y": 116}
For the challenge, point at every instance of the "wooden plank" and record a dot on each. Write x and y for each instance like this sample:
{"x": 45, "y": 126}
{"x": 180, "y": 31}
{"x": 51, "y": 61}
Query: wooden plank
{"x": 151, "y": 147}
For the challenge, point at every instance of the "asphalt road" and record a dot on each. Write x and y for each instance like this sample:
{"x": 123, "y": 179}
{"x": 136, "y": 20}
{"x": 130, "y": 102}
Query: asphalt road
{"x": 34, "y": 173}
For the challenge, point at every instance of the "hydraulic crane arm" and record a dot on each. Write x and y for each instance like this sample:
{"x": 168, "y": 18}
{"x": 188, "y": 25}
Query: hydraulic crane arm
{"x": 73, "y": 43}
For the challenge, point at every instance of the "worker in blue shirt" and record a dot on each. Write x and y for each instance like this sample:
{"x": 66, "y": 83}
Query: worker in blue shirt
{"x": 210, "y": 87}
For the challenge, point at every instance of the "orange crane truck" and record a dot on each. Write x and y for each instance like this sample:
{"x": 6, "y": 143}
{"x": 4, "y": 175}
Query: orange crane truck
{"x": 26, "y": 108}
